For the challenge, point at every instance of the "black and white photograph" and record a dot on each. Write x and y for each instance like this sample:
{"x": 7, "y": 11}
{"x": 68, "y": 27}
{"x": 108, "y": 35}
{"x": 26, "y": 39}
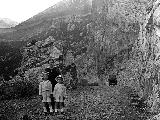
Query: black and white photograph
{"x": 79, "y": 59}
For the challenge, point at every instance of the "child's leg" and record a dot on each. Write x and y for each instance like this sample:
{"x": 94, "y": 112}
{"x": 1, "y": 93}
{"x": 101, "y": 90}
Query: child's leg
{"x": 53, "y": 102}
{"x": 50, "y": 107}
{"x": 45, "y": 102}
{"x": 47, "y": 107}
{"x": 62, "y": 106}
{"x": 56, "y": 106}
{"x": 44, "y": 107}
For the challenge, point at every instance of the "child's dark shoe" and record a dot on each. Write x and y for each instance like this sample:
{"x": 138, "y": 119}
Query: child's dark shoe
{"x": 62, "y": 113}
{"x": 51, "y": 113}
{"x": 26, "y": 117}
{"x": 56, "y": 113}
{"x": 45, "y": 114}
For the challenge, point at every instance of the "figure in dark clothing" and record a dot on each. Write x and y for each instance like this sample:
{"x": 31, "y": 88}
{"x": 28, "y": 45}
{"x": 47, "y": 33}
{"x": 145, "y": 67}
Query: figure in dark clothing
{"x": 112, "y": 80}
{"x": 73, "y": 72}
{"x": 73, "y": 69}
{"x": 61, "y": 68}
{"x": 53, "y": 72}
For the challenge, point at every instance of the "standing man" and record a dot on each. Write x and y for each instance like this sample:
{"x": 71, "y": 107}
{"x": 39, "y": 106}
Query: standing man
{"x": 112, "y": 80}
{"x": 73, "y": 72}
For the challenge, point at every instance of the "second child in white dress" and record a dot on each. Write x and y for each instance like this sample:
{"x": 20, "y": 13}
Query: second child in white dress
{"x": 59, "y": 94}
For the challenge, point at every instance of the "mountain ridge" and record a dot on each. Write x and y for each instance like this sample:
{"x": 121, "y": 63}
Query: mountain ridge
{"x": 61, "y": 9}
{"x": 42, "y": 21}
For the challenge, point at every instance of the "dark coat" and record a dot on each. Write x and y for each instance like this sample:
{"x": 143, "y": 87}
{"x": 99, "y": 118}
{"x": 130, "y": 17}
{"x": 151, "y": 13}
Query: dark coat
{"x": 53, "y": 73}
{"x": 112, "y": 80}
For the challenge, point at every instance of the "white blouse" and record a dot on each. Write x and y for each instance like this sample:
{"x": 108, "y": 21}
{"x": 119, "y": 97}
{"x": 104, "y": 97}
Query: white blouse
{"x": 45, "y": 86}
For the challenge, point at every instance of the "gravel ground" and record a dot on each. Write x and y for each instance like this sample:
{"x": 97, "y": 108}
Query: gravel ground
{"x": 85, "y": 103}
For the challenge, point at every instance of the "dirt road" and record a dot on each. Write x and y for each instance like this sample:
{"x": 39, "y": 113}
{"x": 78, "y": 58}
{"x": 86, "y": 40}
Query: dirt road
{"x": 85, "y": 103}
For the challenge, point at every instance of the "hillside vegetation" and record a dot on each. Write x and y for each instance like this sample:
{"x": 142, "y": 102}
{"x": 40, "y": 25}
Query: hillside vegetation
{"x": 10, "y": 58}
{"x": 42, "y": 21}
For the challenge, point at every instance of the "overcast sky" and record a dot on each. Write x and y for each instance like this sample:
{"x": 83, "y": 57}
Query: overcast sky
{"x": 21, "y": 10}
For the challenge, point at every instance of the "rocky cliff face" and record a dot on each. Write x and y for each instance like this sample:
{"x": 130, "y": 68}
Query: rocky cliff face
{"x": 41, "y": 26}
{"x": 68, "y": 36}
{"x": 140, "y": 18}
{"x": 97, "y": 43}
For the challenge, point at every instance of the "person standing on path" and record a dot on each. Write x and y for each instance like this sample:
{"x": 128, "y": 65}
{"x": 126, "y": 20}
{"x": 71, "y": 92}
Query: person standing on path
{"x": 53, "y": 71}
{"x": 73, "y": 72}
{"x": 45, "y": 92}
{"x": 59, "y": 94}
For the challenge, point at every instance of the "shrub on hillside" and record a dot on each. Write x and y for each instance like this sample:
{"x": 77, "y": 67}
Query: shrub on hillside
{"x": 83, "y": 82}
{"x": 17, "y": 89}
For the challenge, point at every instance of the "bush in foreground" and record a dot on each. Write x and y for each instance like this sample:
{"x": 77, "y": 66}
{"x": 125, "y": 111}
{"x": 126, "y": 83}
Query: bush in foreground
{"x": 17, "y": 89}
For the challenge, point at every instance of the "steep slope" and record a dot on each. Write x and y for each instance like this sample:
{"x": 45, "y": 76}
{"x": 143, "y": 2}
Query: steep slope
{"x": 61, "y": 9}
{"x": 69, "y": 35}
{"x": 42, "y": 21}
{"x": 40, "y": 29}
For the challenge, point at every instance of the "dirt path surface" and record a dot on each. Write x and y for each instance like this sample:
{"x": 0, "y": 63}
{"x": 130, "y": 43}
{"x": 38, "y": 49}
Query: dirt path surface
{"x": 85, "y": 103}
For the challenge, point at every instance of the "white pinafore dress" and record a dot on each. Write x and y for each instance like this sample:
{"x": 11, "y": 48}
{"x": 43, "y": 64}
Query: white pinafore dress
{"x": 45, "y": 89}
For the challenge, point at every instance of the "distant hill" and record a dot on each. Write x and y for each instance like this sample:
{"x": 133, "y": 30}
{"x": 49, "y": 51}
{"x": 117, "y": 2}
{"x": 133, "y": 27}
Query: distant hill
{"x": 7, "y": 23}
{"x": 61, "y": 9}
{"x": 43, "y": 21}
{"x": 6, "y": 30}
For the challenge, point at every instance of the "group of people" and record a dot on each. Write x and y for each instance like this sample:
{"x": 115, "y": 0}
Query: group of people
{"x": 52, "y": 90}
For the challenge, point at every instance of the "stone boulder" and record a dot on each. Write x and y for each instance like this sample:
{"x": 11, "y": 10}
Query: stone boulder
{"x": 55, "y": 53}
{"x": 48, "y": 41}
{"x": 71, "y": 27}
{"x": 39, "y": 43}
{"x": 34, "y": 74}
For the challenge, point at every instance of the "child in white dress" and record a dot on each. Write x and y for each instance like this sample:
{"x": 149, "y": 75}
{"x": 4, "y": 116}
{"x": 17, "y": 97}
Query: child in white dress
{"x": 59, "y": 94}
{"x": 45, "y": 92}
